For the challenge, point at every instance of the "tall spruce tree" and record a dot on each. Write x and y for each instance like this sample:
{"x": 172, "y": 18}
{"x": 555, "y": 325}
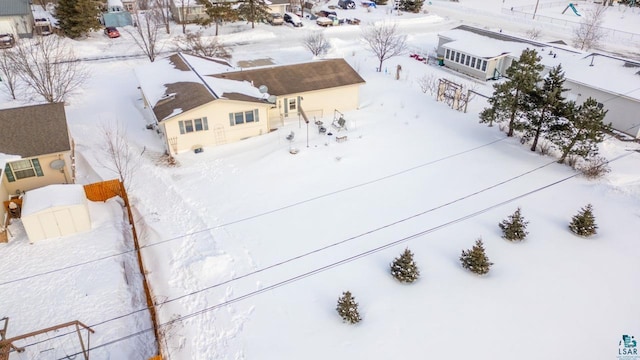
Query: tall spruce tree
{"x": 511, "y": 98}
{"x": 347, "y": 308}
{"x": 584, "y": 223}
{"x": 475, "y": 259}
{"x": 549, "y": 106}
{"x": 404, "y": 269}
{"x": 218, "y": 13}
{"x": 78, "y": 17}
{"x": 515, "y": 227}
{"x": 580, "y": 132}
{"x": 253, "y": 11}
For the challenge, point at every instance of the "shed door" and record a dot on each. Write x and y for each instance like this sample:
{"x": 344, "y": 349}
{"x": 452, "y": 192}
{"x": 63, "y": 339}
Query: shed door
{"x": 48, "y": 224}
{"x": 65, "y": 222}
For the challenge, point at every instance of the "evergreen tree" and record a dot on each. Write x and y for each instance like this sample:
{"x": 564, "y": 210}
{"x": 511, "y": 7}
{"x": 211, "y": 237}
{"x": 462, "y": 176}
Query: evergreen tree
{"x": 254, "y": 11}
{"x": 414, "y": 6}
{"x": 348, "y": 308}
{"x": 475, "y": 259}
{"x": 549, "y": 106}
{"x": 515, "y": 227}
{"x": 580, "y": 132}
{"x": 77, "y": 17}
{"x": 404, "y": 269}
{"x": 584, "y": 223}
{"x": 510, "y": 100}
{"x": 218, "y": 13}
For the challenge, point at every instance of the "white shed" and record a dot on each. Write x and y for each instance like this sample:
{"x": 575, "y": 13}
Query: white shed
{"x": 54, "y": 211}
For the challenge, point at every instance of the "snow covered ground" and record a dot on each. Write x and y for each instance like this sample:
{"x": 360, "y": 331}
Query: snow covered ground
{"x": 248, "y": 247}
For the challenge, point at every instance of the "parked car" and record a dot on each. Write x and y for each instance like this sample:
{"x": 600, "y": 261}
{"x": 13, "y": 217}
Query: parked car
{"x": 292, "y": 19}
{"x": 111, "y": 32}
{"x": 326, "y": 13}
{"x": 7, "y": 41}
{"x": 346, "y": 4}
{"x": 324, "y": 21}
{"x": 275, "y": 19}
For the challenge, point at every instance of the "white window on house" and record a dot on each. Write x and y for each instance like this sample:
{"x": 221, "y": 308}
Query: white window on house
{"x": 466, "y": 62}
{"x": 243, "y": 117}
{"x": 457, "y": 57}
{"x": 189, "y": 126}
{"x": 484, "y": 65}
{"x": 447, "y": 54}
{"x": 293, "y": 103}
{"x": 22, "y": 169}
{"x": 473, "y": 62}
{"x": 478, "y": 64}
{"x": 462, "y": 59}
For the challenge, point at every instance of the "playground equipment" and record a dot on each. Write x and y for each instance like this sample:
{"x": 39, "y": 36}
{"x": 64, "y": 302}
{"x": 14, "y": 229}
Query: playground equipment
{"x": 573, "y": 7}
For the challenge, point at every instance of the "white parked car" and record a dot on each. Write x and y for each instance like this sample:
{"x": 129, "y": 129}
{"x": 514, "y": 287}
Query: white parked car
{"x": 292, "y": 19}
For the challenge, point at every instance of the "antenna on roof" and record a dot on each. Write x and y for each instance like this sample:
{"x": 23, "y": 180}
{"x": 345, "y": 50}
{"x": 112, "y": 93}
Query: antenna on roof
{"x": 592, "y": 56}
{"x": 263, "y": 89}
{"x": 271, "y": 99}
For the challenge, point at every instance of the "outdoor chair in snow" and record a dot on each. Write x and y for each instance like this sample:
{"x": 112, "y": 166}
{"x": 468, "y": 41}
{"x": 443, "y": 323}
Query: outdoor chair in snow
{"x": 339, "y": 124}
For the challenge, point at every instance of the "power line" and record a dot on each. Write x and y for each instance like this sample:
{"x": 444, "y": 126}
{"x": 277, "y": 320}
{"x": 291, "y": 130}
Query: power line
{"x": 345, "y": 260}
{"x": 252, "y": 216}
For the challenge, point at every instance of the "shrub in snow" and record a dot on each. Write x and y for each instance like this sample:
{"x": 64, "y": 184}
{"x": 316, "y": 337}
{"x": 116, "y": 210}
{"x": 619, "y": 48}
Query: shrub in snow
{"x": 404, "y": 269}
{"x": 475, "y": 259}
{"x": 348, "y": 308}
{"x": 584, "y": 223}
{"x": 514, "y": 228}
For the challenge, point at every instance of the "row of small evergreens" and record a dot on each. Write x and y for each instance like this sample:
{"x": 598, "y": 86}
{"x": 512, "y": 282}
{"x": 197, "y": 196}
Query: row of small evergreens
{"x": 514, "y": 228}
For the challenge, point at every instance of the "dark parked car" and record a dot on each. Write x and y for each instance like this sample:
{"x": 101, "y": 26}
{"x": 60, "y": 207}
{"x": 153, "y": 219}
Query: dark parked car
{"x": 326, "y": 13}
{"x": 346, "y": 4}
{"x": 7, "y": 41}
{"x": 111, "y": 32}
{"x": 292, "y": 19}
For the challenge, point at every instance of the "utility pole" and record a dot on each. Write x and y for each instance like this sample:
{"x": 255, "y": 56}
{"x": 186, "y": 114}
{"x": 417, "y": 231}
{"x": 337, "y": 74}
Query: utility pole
{"x": 536, "y": 9}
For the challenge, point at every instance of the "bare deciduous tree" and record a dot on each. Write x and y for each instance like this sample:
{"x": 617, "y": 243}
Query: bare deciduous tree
{"x": 384, "y": 41}
{"x": 48, "y": 66}
{"x": 145, "y": 33}
{"x": 589, "y": 32}
{"x": 161, "y": 7}
{"x": 9, "y": 72}
{"x": 197, "y": 44}
{"x": 533, "y": 33}
{"x": 121, "y": 157}
{"x": 316, "y": 43}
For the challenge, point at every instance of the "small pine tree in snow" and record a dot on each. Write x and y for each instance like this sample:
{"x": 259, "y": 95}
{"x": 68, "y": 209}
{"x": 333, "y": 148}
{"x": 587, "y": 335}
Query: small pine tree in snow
{"x": 348, "y": 308}
{"x": 476, "y": 259}
{"x": 584, "y": 223}
{"x": 404, "y": 269}
{"x": 515, "y": 227}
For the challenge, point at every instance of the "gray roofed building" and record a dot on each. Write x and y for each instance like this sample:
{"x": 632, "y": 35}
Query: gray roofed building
{"x": 298, "y": 78}
{"x": 14, "y": 7}
{"x": 34, "y": 130}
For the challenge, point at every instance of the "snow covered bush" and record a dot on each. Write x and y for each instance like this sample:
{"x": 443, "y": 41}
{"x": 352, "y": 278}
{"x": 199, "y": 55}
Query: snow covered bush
{"x": 348, "y": 308}
{"x": 404, "y": 269}
{"x": 476, "y": 259}
{"x": 584, "y": 223}
{"x": 514, "y": 228}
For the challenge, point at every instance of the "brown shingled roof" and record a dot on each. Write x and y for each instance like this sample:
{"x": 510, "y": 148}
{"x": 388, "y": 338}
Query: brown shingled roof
{"x": 34, "y": 130}
{"x": 291, "y": 79}
{"x": 188, "y": 95}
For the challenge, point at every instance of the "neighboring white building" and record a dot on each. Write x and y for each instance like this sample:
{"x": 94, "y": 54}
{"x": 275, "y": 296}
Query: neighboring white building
{"x": 613, "y": 82}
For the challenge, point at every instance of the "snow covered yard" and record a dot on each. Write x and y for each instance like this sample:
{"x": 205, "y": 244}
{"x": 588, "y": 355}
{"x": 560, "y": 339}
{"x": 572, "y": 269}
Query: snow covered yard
{"x": 79, "y": 277}
{"x": 248, "y": 247}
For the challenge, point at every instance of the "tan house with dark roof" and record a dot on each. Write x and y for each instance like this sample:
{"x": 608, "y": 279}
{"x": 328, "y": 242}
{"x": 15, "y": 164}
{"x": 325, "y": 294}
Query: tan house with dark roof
{"x": 37, "y": 148}
{"x": 198, "y": 102}
{"x": 39, "y": 136}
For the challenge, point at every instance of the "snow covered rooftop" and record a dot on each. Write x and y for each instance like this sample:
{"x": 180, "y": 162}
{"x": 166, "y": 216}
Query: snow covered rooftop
{"x": 614, "y": 75}
{"x": 50, "y": 196}
{"x": 165, "y": 79}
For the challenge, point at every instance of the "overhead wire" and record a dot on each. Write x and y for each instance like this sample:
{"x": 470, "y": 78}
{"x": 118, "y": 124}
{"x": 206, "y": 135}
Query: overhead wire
{"x": 344, "y": 260}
